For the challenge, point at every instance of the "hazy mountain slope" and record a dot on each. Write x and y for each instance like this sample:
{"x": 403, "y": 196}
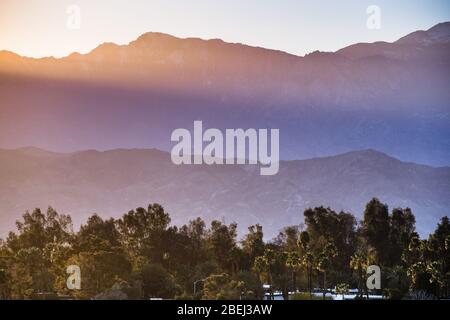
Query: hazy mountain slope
{"x": 392, "y": 97}
{"x": 110, "y": 183}
{"x": 432, "y": 44}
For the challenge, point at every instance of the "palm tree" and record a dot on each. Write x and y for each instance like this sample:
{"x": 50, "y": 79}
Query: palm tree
{"x": 325, "y": 262}
{"x": 330, "y": 250}
{"x": 414, "y": 271}
{"x": 293, "y": 261}
{"x": 308, "y": 258}
{"x": 434, "y": 268}
{"x": 359, "y": 263}
{"x": 308, "y": 262}
{"x": 323, "y": 265}
{"x": 263, "y": 264}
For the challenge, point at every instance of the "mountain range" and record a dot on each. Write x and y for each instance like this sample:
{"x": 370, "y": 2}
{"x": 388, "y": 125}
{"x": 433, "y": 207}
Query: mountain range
{"x": 112, "y": 182}
{"x": 391, "y": 97}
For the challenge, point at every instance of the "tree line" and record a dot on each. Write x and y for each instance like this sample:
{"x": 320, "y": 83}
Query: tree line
{"x": 142, "y": 256}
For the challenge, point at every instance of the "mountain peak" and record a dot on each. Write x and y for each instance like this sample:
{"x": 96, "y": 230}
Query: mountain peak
{"x": 408, "y": 47}
{"x": 6, "y": 55}
{"x": 106, "y": 47}
{"x": 153, "y": 37}
{"x": 439, "y": 33}
{"x": 440, "y": 27}
{"x": 370, "y": 156}
{"x": 377, "y": 154}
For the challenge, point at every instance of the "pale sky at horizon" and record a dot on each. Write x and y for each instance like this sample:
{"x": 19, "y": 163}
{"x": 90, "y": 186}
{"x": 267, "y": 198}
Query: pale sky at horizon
{"x": 38, "y": 28}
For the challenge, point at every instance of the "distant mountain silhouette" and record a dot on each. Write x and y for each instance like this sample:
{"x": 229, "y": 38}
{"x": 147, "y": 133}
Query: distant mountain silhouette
{"x": 436, "y": 35}
{"x": 392, "y": 97}
{"x": 419, "y": 45}
{"x": 112, "y": 182}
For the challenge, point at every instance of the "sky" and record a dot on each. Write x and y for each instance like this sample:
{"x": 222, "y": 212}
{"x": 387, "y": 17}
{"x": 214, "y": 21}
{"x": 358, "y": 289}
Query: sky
{"x": 38, "y": 28}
